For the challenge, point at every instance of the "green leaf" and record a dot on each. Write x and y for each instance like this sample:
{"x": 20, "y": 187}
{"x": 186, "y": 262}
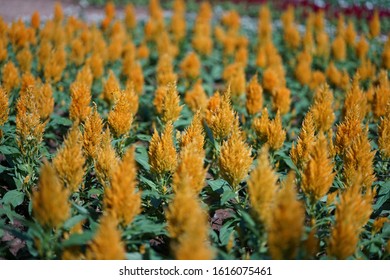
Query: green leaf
{"x": 143, "y": 224}
{"x": 248, "y": 219}
{"x": 80, "y": 209}
{"x": 216, "y": 184}
{"x": 227, "y": 195}
{"x": 3, "y": 168}
{"x": 225, "y": 232}
{"x": 14, "y": 198}
{"x": 141, "y": 156}
{"x": 95, "y": 191}
{"x": 70, "y": 223}
{"x": 61, "y": 121}
{"x": 78, "y": 239}
{"x": 148, "y": 182}
{"x": 144, "y": 137}
{"x": 134, "y": 256}
{"x": 8, "y": 150}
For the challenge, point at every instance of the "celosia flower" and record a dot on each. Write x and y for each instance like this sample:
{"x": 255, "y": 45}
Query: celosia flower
{"x": 384, "y": 135}
{"x": 265, "y": 24}
{"x": 121, "y": 200}
{"x": 164, "y": 69}
{"x": 58, "y": 12}
{"x": 235, "y": 159}
{"x": 92, "y": 136}
{"x": 350, "y": 34}
{"x": 355, "y": 102}
{"x": 319, "y": 20}
{"x": 79, "y": 108}
{"x": 29, "y": 127}
{"x": 18, "y": 34}
{"x": 254, "y": 96}
{"x": 196, "y": 98}
{"x": 96, "y": 65}
{"x": 190, "y": 66}
{"x": 142, "y": 51}
{"x": 44, "y": 99}
{"x": 352, "y": 213}
{"x": 362, "y": 48}
{"x": 35, "y": 20}
{"x": 106, "y": 160}
{"x": 270, "y": 79}
{"x": 270, "y": 132}
{"x": 317, "y": 79}
{"x": 358, "y": 161}
{"x": 322, "y": 109}
{"x": 317, "y": 177}
{"x": 231, "y": 20}
{"x": 345, "y": 80}
{"x": 122, "y": 114}
{"x": 69, "y": 160}
{"x": 339, "y": 49}
{"x": 234, "y": 75}
{"x": 260, "y": 125}
{"x": 333, "y": 74}
{"x": 10, "y": 77}
{"x": 386, "y": 55}
{"x": 340, "y": 31}
{"x": 261, "y": 58}
{"x": 303, "y": 72}
{"x": 347, "y": 131}
{"x": 50, "y": 204}
{"x": 241, "y": 56}
{"x": 77, "y": 51}
{"x": 3, "y": 50}
{"x": 322, "y": 40}
{"x": 281, "y": 100}
{"x": 366, "y": 70}
{"x": 378, "y": 224}
{"x": 291, "y": 36}
{"x": 44, "y": 51}
{"x": 4, "y": 109}
{"x": 111, "y": 88}
{"x": 84, "y": 75}
{"x": 106, "y": 244}
{"x": 168, "y": 103}
{"x": 130, "y": 16}
{"x": 129, "y": 52}
{"x": 286, "y": 225}
{"x": 55, "y": 65}
{"x": 178, "y": 26}
{"x": 300, "y": 153}
{"x": 220, "y": 116}
{"x": 165, "y": 46}
{"x": 162, "y": 151}
{"x": 115, "y": 48}
{"x": 189, "y": 233}
{"x": 202, "y": 44}
{"x": 24, "y": 58}
{"x": 205, "y": 11}
{"x": 375, "y": 25}
{"x": 193, "y": 135}
{"x": 190, "y": 172}
{"x": 28, "y": 83}
{"x": 382, "y": 95}
{"x": 229, "y": 45}
{"x": 136, "y": 78}
{"x": 288, "y": 16}
{"x": 262, "y": 187}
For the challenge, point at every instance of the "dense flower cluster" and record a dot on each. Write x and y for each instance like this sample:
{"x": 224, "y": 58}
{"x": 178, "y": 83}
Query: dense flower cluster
{"x": 195, "y": 137}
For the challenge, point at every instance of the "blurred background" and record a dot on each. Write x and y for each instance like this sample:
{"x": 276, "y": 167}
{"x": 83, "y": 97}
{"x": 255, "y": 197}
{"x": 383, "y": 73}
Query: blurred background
{"x": 14, "y": 9}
